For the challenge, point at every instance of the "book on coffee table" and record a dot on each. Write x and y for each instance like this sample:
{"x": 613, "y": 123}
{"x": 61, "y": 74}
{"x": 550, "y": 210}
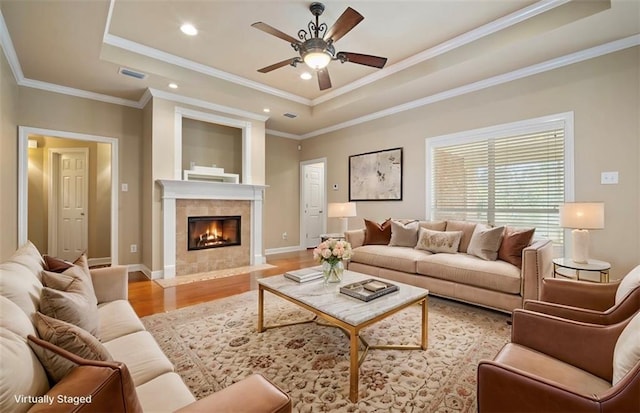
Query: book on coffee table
{"x": 304, "y": 274}
{"x": 368, "y": 290}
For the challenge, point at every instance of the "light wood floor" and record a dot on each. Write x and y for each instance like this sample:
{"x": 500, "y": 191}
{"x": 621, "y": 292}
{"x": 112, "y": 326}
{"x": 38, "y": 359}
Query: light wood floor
{"x": 148, "y": 298}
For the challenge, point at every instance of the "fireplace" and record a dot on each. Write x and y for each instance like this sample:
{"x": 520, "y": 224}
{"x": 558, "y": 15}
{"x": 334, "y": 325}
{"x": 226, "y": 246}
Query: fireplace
{"x": 213, "y": 232}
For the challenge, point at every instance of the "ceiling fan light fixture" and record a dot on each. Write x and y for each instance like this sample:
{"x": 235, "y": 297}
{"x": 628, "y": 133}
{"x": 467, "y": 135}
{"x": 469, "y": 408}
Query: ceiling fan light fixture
{"x": 317, "y": 59}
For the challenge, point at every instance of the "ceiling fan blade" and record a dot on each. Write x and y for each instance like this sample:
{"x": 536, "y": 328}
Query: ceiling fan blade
{"x": 274, "y": 32}
{"x": 347, "y": 21}
{"x": 276, "y": 65}
{"x": 364, "y": 59}
{"x": 324, "y": 81}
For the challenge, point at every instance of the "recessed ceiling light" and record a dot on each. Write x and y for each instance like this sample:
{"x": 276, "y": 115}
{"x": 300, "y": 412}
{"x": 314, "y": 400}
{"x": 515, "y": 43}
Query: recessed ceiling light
{"x": 305, "y": 76}
{"x": 189, "y": 29}
{"x": 173, "y": 85}
{"x": 266, "y": 110}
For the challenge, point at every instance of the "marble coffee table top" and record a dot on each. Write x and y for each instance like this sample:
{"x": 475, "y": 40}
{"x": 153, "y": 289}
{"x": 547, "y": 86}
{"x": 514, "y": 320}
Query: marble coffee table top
{"x": 328, "y": 299}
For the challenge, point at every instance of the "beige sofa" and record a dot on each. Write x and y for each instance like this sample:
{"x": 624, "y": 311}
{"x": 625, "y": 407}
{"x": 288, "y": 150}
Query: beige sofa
{"x": 157, "y": 387}
{"x": 495, "y": 284}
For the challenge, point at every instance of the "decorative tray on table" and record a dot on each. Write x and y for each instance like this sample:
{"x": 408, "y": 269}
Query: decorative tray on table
{"x": 368, "y": 290}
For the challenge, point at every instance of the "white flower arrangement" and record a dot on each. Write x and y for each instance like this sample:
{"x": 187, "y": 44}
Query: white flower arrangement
{"x": 332, "y": 251}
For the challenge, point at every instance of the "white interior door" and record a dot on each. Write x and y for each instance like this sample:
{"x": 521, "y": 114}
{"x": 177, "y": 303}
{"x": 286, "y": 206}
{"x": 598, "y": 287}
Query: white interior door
{"x": 314, "y": 204}
{"x": 72, "y": 205}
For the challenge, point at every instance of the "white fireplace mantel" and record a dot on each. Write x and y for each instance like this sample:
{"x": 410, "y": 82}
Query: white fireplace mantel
{"x": 173, "y": 190}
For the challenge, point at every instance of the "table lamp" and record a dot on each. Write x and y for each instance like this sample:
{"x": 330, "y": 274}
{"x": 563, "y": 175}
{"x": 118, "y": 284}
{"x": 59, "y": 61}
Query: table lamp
{"x": 342, "y": 211}
{"x": 581, "y": 216}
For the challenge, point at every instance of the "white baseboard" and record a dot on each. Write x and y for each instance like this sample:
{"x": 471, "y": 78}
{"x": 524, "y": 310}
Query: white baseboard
{"x": 99, "y": 261}
{"x": 140, "y": 267}
{"x": 281, "y": 250}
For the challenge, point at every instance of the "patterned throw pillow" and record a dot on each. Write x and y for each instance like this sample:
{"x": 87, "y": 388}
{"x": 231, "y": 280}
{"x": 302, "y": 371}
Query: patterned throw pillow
{"x": 439, "y": 241}
{"x": 377, "y": 234}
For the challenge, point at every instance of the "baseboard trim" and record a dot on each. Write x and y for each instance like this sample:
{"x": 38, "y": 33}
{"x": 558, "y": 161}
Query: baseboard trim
{"x": 281, "y": 250}
{"x": 141, "y": 268}
{"x": 93, "y": 262}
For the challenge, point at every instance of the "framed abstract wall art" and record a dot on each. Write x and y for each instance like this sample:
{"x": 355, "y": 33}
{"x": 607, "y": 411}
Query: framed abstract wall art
{"x": 376, "y": 176}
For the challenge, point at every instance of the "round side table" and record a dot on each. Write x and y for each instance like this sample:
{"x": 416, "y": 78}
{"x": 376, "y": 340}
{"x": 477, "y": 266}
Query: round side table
{"x": 601, "y": 267}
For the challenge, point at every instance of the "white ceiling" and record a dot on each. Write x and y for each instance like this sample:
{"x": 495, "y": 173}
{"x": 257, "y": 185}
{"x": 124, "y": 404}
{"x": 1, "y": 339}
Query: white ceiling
{"x": 435, "y": 49}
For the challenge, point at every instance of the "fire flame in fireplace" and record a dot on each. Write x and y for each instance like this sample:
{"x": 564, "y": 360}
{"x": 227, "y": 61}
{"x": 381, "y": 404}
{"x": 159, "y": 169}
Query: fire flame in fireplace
{"x": 211, "y": 232}
{"x": 211, "y": 236}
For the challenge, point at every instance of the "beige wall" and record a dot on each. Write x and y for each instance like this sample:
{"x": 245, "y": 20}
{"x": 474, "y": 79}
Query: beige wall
{"x": 209, "y": 144}
{"x": 41, "y": 109}
{"x": 604, "y": 95}
{"x": 282, "y": 200}
{"x": 99, "y": 196}
{"x": 8, "y": 159}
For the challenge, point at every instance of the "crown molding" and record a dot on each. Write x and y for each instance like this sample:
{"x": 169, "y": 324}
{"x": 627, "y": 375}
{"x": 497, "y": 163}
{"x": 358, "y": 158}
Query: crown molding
{"x": 10, "y": 51}
{"x": 204, "y": 104}
{"x": 283, "y": 134}
{"x": 141, "y": 49}
{"x": 442, "y": 48}
{"x": 546, "y": 66}
{"x": 65, "y": 90}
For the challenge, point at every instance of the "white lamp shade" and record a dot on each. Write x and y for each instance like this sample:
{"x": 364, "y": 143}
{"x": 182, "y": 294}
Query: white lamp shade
{"x": 582, "y": 215}
{"x": 317, "y": 60}
{"x": 342, "y": 210}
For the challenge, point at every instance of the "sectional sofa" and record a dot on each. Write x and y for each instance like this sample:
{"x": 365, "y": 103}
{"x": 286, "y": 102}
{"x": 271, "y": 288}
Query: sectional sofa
{"x": 106, "y": 361}
{"x": 460, "y": 260}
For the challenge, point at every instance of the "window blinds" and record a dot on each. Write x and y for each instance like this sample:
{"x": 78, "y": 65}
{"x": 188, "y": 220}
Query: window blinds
{"x": 513, "y": 180}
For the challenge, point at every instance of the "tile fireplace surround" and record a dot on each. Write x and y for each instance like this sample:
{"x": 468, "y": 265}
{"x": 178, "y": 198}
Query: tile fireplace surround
{"x": 180, "y": 196}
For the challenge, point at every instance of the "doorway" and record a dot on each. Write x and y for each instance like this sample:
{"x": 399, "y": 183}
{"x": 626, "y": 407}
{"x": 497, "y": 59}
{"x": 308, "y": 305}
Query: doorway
{"x": 313, "y": 220}
{"x": 36, "y": 177}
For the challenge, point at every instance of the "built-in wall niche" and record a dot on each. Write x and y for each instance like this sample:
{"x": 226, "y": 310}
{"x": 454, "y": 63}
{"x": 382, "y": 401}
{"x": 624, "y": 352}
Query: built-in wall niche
{"x": 208, "y": 144}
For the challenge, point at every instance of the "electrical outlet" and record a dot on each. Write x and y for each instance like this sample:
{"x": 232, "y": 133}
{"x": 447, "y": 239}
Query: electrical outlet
{"x": 284, "y": 235}
{"x": 134, "y": 248}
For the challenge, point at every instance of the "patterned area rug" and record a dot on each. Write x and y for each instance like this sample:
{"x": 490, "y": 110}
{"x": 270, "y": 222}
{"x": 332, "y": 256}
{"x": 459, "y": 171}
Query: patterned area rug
{"x": 216, "y": 344}
{"x": 210, "y": 275}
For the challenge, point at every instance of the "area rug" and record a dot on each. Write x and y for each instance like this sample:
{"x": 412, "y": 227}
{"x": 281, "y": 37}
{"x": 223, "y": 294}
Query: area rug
{"x": 210, "y": 275}
{"x": 215, "y": 344}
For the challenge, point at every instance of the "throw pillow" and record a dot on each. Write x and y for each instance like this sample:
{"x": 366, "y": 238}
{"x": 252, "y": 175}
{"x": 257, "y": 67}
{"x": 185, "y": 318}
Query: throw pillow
{"x": 626, "y": 353}
{"x": 404, "y": 234}
{"x": 485, "y": 242}
{"x": 54, "y": 264}
{"x": 69, "y": 337}
{"x": 434, "y": 225}
{"x": 71, "y": 280}
{"x": 514, "y": 240}
{"x": 377, "y": 234}
{"x": 467, "y": 231}
{"x": 439, "y": 241}
{"x": 71, "y": 307}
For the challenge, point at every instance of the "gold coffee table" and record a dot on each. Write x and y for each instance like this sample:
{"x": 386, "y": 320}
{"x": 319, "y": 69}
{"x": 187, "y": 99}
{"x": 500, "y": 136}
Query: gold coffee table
{"x": 349, "y": 314}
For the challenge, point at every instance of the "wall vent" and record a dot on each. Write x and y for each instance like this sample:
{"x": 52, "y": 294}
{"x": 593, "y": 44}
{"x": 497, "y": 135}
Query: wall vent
{"x": 291, "y": 115}
{"x": 132, "y": 73}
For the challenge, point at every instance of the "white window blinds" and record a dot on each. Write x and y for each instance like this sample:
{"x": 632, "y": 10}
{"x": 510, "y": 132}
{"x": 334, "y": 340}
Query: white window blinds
{"x": 510, "y": 180}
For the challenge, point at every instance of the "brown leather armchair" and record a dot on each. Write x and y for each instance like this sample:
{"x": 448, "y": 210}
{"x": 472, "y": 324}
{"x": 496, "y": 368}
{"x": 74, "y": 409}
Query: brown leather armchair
{"x": 589, "y": 302}
{"x": 559, "y": 365}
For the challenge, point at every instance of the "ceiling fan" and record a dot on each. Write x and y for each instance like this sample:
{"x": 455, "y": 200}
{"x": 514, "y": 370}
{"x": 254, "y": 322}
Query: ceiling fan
{"x": 315, "y": 45}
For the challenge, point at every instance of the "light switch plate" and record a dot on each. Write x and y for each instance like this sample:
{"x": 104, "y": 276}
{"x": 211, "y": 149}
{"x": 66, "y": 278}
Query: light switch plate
{"x": 125, "y": 187}
{"x": 609, "y": 178}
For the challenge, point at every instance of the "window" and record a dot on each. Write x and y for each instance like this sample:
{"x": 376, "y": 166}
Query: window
{"x": 512, "y": 174}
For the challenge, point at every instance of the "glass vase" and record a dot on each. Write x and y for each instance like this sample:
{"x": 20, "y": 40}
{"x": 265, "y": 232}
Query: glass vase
{"x": 332, "y": 271}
